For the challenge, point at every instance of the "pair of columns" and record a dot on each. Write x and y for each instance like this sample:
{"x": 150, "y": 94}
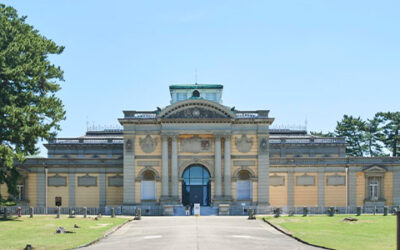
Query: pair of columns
{"x": 174, "y": 166}
{"x": 227, "y": 168}
{"x": 175, "y": 172}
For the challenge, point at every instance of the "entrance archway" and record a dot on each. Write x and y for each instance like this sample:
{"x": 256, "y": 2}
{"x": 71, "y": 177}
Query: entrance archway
{"x": 196, "y": 186}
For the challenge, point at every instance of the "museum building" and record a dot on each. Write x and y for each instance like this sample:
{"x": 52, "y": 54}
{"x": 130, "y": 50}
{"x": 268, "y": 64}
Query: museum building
{"x": 196, "y": 150}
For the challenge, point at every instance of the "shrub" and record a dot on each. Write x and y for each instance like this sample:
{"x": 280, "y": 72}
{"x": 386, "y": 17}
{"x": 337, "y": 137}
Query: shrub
{"x": 331, "y": 211}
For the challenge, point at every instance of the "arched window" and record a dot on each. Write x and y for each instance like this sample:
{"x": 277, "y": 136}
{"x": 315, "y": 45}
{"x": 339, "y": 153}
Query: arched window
{"x": 243, "y": 186}
{"x": 148, "y": 186}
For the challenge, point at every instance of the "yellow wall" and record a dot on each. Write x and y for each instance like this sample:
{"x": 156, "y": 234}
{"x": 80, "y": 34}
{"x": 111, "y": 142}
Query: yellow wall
{"x": 306, "y": 195}
{"x": 114, "y": 195}
{"x": 62, "y": 191}
{"x": 87, "y": 196}
{"x": 388, "y": 188}
{"x": 335, "y": 195}
{"x": 278, "y": 194}
{"x": 360, "y": 189}
{"x": 32, "y": 189}
{"x": 4, "y": 191}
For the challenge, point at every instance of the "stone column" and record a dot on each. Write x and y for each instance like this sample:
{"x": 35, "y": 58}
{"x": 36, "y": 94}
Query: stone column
{"x": 290, "y": 190}
{"x": 72, "y": 189}
{"x": 217, "y": 174}
{"x": 227, "y": 168}
{"x": 263, "y": 167}
{"x": 352, "y": 187}
{"x": 102, "y": 191}
{"x": 174, "y": 167}
{"x": 129, "y": 170}
{"x": 321, "y": 187}
{"x": 164, "y": 167}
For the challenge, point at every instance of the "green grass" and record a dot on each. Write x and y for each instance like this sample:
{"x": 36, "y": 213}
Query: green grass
{"x": 369, "y": 232}
{"x": 40, "y": 231}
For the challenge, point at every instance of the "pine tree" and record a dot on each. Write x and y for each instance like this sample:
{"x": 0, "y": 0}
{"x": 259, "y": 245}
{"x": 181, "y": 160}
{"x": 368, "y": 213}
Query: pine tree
{"x": 29, "y": 109}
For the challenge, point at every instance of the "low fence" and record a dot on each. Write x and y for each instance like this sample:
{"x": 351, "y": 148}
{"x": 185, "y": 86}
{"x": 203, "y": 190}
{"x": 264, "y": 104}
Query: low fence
{"x": 157, "y": 210}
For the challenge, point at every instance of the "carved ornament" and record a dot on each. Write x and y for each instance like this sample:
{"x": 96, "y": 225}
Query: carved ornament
{"x": 148, "y": 144}
{"x": 195, "y": 144}
{"x": 244, "y": 144}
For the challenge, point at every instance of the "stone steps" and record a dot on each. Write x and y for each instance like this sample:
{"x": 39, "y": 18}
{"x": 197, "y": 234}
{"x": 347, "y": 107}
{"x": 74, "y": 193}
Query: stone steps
{"x": 204, "y": 211}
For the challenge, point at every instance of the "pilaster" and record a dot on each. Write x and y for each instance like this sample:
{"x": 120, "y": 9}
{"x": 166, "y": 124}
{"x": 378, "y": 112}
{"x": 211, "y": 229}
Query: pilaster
{"x": 71, "y": 187}
{"x": 41, "y": 189}
{"x": 290, "y": 190}
{"x": 164, "y": 167}
{"x": 129, "y": 169}
{"x": 352, "y": 187}
{"x": 174, "y": 167}
{"x": 396, "y": 185}
{"x": 263, "y": 169}
{"x": 217, "y": 174}
{"x": 227, "y": 169}
{"x": 321, "y": 187}
{"x": 102, "y": 191}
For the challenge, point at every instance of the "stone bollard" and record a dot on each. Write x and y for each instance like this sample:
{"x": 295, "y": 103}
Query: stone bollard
{"x": 277, "y": 212}
{"x": 138, "y": 214}
{"x": 5, "y": 215}
{"x": 251, "y": 214}
{"x": 305, "y": 211}
{"x": 358, "y": 211}
{"x": 331, "y": 211}
{"x": 58, "y": 212}
{"x": 84, "y": 212}
{"x": 385, "y": 211}
{"x": 19, "y": 211}
{"x": 31, "y": 212}
{"x": 112, "y": 212}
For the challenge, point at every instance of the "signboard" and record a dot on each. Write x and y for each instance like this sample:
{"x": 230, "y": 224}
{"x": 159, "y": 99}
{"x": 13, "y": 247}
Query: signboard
{"x": 197, "y": 209}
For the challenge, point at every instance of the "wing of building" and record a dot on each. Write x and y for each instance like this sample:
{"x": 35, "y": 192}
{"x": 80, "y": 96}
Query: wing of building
{"x": 197, "y": 150}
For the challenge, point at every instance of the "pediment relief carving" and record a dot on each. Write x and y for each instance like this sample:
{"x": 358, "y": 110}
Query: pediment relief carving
{"x": 375, "y": 169}
{"x": 148, "y": 144}
{"x": 191, "y": 109}
{"x": 243, "y": 144}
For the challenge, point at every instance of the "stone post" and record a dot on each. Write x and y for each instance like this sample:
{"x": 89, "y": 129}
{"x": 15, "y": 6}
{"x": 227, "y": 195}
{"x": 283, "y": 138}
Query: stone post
{"x": 58, "y": 212}
{"x": 129, "y": 170}
{"x": 164, "y": 167}
{"x": 174, "y": 167}
{"x": 84, "y": 212}
{"x": 227, "y": 168}
{"x": 30, "y": 212}
{"x": 112, "y": 212}
{"x": 218, "y": 177}
{"x": 263, "y": 165}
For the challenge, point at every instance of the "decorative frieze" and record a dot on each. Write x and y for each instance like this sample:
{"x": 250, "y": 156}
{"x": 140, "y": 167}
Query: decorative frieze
{"x": 195, "y": 144}
{"x": 276, "y": 180}
{"x": 115, "y": 181}
{"x": 148, "y": 163}
{"x": 57, "y": 181}
{"x": 87, "y": 181}
{"x": 244, "y": 163}
{"x": 243, "y": 144}
{"x": 148, "y": 144}
{"x": 305, "y": 180}
{"x": 335, "y": 180}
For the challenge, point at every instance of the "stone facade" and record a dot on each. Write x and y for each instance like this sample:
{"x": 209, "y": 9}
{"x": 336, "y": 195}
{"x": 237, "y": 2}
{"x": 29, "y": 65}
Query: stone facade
{"x": 146, "y": 163}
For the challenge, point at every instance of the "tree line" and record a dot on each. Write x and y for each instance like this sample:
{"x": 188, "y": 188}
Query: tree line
{"x": 378, "y": 136}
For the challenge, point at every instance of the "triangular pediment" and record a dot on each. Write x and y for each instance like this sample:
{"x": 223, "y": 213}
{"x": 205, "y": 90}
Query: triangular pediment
{"x": 375, "y": 169}
{"x": 196, "y": 109}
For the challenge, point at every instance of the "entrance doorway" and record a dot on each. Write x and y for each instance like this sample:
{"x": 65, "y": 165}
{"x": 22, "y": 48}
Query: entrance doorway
{"x": 196, "y": 186}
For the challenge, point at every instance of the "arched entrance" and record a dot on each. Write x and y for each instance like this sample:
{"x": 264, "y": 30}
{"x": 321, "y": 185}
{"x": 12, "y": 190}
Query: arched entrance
{"x": 196, "y": 186}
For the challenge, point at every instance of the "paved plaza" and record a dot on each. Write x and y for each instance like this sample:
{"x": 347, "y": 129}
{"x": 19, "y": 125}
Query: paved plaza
{"x": 209, "y": 232}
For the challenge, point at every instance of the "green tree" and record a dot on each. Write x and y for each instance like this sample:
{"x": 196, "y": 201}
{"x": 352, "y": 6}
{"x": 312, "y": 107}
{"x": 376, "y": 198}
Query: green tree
{"x": 390, "y": 126}
{"x": 29, "y": 109}
{"x": 373, "y": 136}
{"x": 353, "y": 130}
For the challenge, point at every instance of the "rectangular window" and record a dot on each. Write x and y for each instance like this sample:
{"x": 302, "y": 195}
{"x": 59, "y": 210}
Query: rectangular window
{"x": 211, "y": 96}
{"x": 243, "y": 190}
{"x": 180, "y": 96}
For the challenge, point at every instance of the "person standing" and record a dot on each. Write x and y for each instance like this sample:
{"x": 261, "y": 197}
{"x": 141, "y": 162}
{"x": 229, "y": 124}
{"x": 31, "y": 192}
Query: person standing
{"x": 187, "y": 209}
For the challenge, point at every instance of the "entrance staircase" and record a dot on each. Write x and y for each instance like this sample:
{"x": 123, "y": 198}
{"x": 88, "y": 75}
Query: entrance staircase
{"x": 204, "y": 211}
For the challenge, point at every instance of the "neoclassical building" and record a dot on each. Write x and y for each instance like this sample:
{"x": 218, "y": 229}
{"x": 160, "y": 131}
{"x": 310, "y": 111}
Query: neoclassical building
{"x": 197, "y": 150}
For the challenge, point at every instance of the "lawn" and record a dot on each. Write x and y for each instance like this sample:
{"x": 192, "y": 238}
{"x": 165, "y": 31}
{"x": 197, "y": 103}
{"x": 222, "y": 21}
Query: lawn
{"x": 369, "y": 232}
{"x": 40, "y": 231}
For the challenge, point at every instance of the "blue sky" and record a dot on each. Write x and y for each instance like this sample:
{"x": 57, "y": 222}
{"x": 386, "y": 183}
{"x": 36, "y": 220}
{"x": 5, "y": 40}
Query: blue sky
{"x": 314, "y": 59}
